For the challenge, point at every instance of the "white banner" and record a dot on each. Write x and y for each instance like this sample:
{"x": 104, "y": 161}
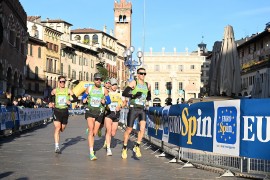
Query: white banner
{"x": 226, "y": 127}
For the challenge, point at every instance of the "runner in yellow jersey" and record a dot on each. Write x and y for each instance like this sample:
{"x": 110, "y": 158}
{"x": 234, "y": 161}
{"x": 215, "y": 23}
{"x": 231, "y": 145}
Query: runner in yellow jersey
{"x": 112, "y": 114}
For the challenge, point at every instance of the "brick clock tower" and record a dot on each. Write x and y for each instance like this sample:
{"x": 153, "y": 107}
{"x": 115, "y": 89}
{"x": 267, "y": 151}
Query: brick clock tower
{"x": 122, "y": 21}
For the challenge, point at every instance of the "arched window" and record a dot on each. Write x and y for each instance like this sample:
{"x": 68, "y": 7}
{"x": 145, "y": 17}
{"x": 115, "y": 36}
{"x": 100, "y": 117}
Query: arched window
{"x": 28, "y": 71}
{"x": 87, "y": 76}
{"x": 69, "y": 71}
{"x": 1, "y": 71}
{"x": 95, "y": 39}
{"x": 124, "y": 18}
{"x": 120, "y": 18}
{"x": 31, "y": 50}
{"x": 86, "y": 39}
{"x": 39, "y": 52}
{"x": 36, "y": 72}
{"x": 54, "y": 83}
{"x": 77, "y": 38}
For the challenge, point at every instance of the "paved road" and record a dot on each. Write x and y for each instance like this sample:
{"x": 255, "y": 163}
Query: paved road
{"x": 31, "y": 156}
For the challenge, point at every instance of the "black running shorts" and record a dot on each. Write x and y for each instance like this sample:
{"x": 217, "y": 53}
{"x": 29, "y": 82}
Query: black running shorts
{"x": 134, "y": 113}
{"x": 113, "y": 115}
{"x": 61, "y": 115}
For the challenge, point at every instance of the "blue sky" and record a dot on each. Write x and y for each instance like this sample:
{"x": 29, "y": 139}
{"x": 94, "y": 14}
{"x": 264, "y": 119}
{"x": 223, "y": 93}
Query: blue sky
{"x": 170, "y": 24}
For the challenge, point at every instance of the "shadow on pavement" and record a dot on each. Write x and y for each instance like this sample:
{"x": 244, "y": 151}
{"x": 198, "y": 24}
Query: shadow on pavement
{"x": 72, "y": 141}
{"x": 24, "y": 133}
{"x": 5, "y": 174}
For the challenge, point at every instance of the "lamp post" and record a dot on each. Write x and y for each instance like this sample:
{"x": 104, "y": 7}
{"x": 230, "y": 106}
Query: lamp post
{"x": 132, "y": 63}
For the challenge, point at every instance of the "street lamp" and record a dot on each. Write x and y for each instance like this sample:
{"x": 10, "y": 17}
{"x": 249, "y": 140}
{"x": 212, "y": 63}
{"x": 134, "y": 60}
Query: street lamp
{"x": 132, "y": 63}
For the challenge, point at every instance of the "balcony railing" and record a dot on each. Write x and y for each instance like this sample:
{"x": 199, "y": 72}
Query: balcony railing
{"x": 50, "y": 70}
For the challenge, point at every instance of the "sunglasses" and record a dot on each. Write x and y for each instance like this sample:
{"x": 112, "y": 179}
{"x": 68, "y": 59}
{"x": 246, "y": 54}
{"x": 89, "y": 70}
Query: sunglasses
{"x": 97, "y": 79}
{"x": 114, "y": 84}
{"x": 62, "y": 81}
{"x": 108, "y": 82}
{"x": 141, "y": 73}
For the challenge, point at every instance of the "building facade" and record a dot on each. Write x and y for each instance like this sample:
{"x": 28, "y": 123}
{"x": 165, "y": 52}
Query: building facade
{"x": 109, "y": 50}
{"x": 78, "y": 58}
{"x": 181, "y": 70}
{"x": 254, "y": 55}
{"x": 35, "y": 80}
{"x": 13, "y": 44}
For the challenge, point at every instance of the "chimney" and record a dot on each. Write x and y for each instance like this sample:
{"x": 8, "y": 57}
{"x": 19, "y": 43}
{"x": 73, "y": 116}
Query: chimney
{"x": 105, "y": 28}
{"x": 111, "y": 32}
{"x": 163, "y": 50}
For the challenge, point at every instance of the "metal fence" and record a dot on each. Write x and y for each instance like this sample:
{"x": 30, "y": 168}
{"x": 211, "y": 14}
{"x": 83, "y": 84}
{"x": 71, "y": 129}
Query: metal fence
{"x": 244, "y": 167}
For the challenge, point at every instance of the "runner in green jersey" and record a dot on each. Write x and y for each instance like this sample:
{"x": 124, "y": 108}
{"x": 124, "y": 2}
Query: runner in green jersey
{"x": 139, "y": 92}
{"x": 94, "y": 114}
{"x": 60, "y": 101}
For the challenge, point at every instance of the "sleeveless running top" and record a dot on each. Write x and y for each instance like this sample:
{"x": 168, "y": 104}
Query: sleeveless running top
{"x": 61, "y": 98}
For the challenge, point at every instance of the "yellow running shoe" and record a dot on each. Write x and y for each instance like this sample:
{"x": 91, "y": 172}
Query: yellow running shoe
{"x": 92, "y": 157}
{"x": 124, "y": 153}
{"x": 99, "y": 133}
{"x": 137, "y": 151}
{"x": 105, "y": 145}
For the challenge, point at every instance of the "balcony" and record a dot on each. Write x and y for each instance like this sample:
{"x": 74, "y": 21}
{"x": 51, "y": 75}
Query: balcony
{"x": 50, "y": 70}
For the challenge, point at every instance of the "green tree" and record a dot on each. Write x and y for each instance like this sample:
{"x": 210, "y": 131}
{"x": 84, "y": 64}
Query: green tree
{"x": 103, "y": 71}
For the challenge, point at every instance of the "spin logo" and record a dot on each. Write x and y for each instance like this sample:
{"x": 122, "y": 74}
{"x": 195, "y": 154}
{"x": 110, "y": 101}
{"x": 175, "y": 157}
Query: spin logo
{"x": 226, "y": 125}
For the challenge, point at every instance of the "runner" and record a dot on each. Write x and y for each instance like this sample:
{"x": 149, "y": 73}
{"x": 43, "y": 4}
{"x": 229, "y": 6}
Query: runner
{"x": 140, "y": 93}
{"x": 112, "y": 115}
{"x": 95, "y": 110}
{"x": 60, "y": 101}
{"x": 107, "y": 85}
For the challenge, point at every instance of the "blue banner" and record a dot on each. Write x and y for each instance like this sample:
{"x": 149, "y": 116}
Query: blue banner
{"x": 232, "y": 127}
{"x": 11, "y": 117}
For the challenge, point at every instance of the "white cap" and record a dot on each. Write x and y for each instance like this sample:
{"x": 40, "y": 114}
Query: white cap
{"x": 113, "y": 81}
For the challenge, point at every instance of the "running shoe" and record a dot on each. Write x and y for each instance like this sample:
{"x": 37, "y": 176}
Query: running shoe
{"x": 99, "y": 133}
{"x": 57, "y": 150}
{"x": 109, "y": 152}
{"x": 105, "y": 145}
{"x": 92, "y": 156}
{"x": 124, "y": 153}
{"x": 137, "y": 151}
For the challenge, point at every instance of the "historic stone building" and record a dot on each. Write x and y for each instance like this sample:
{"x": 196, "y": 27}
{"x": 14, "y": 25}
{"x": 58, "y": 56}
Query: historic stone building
{"x": 109, "y": 49}
{"x": 254, "y": 55}
{"x": 13, "y": 44}
{"x": 179, "y": 70}
{"x": 78, "y": 59}
{"x": 35, "y": 80}
{"x": 123, "y": 21}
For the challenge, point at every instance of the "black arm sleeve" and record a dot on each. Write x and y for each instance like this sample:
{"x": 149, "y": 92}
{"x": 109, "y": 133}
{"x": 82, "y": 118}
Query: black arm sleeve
{"x": 126, "y": 92}
{"x": 74, "y": 98}
{"x": 148, "y": 97}
{"x": 52, "y": 98}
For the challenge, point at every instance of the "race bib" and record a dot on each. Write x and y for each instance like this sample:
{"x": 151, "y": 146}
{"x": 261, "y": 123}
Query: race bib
{"x": 113, "y": 106}
{"x": 95, "y": 101}
{"x": 62, "y": 100}
{"x": 141, "y": 100}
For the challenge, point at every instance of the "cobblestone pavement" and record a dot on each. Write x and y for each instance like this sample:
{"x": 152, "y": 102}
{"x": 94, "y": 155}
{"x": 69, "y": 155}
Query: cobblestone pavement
{"x": 30, "y": 155}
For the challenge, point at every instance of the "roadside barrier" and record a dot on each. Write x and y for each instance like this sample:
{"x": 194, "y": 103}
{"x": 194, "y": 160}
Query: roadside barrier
{"x": 14, "y": 119}
{"x": 233, "y": 135}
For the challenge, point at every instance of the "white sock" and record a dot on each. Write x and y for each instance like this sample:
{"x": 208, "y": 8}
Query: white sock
{"x": 56, "y": 144}
{"x": 91, "y": 150}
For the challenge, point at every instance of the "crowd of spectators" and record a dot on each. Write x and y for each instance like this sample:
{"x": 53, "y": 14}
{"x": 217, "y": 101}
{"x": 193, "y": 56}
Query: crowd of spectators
{"x": 25, "y": 101}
